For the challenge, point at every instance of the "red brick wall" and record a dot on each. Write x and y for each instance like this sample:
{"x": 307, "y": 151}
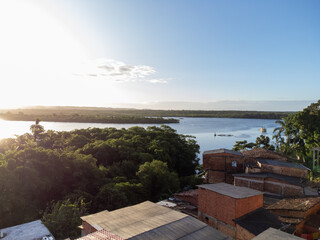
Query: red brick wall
{"x": 249, "y": 204}
{"x": 216, "y": 205}
{"x": 225, "y": 208}
{"x": 87, "y": 228}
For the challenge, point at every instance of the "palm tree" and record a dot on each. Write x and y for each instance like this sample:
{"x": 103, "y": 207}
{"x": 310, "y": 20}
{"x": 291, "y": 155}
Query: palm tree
{"x": 36, "y": 129}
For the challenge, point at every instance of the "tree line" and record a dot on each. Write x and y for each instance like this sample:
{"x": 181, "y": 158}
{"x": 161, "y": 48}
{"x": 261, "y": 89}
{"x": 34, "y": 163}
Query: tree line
{"x": 296, "y": 136}
{"x": 59, "y": 176}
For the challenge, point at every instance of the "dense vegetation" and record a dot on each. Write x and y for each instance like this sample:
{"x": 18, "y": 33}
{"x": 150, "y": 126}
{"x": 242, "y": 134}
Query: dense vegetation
{"x": 296, "y": 136}
{"x": 116, "y": 115}
{"x": 59, "y": 176}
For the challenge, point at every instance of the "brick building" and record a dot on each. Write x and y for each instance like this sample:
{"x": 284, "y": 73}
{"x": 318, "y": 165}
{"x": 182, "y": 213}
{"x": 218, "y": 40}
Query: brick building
{"x": 303, "y": 213}
{"x": 252, "y": 224}
{"x": 262, "y": 153}
{"x": 220, "y": 203}
{"x": 220, "y": 164}
{"x": 146, "y": 220}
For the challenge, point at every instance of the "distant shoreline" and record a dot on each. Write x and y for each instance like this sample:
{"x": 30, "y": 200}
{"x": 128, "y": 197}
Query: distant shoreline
{"x": 125, "y": 115}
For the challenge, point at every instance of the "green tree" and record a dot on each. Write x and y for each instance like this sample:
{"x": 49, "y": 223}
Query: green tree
{"x": 36, "y": 129}
{"x": 157, "y": 180}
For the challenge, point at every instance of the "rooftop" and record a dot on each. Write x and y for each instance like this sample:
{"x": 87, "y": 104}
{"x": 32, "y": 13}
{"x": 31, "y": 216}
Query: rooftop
{"x": 148, "y": 220}
{"x": 231, "y": 190}
{"x": 274, "y": 234}
{"x": 285, "y": 178}
{"x": 28, "y": 231}
{"x": 265, "y": 154}
{"x": 222, "y": 150}
{"x": 258, "y": 221}
{"x": 283, "y": 164}
{"x": 297, "y": 204}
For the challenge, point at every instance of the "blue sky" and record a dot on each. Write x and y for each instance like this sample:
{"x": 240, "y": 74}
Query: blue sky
{"x": 139, "y": 52}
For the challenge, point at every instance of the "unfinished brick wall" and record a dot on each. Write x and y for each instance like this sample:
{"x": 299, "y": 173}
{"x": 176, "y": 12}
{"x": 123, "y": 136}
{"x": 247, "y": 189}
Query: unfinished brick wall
{"x": 221, "y": 166}
{"x": 87, "y": 228}
{"x": 243, "y": 234}
{"x": 271, "y": 185}
{"x": 293, "y": 172}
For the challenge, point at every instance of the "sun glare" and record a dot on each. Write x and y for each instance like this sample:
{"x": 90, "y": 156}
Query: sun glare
{"x": 37, "y": 50}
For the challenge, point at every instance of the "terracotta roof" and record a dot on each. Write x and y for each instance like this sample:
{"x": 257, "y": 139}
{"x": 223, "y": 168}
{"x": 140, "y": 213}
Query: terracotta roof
{"x": 222, "y": 150}
{"x": 296, "y": 204}
{"x": 265, "y": 154}
{"x": 258, "y": 221}
{"x": 101, "y": 235}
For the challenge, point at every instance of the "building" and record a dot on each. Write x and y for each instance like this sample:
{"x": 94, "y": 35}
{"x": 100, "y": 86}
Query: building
{"x": 35, "y": 230}
{"x": 281, "y": 185}
{"x": 262, "y": 153}
{"x": 274, "y": 234}
{"x": 220, "y": 164}
{"x": 252, "y": 224}
{"x": 303, "y": 213}
{"x": 146, "y": 220}
{"x": 190, "y": 196}
{"x": 220, "y": 203}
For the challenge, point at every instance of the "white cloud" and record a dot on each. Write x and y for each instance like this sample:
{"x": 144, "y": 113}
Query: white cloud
{"x": 119, "y": 71}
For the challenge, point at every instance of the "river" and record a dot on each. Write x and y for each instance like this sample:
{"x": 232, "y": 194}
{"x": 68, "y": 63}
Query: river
{"x": 204, "y": 129}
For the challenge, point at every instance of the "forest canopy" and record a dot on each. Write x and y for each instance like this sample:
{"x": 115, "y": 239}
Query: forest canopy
{"x": 57, "y": 176}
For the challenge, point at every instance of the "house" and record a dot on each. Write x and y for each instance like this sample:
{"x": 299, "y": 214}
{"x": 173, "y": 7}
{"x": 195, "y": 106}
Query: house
{"x": 303, "y": 213}
{"x": 190, "y": 196}
{"x": 220, "y": 164}
{"x": 147, "y": 220}
{"x": 220, "y": 203}
{"x": 35, "y": 230}
{"x": 252, "y": 224}
{"x": 274, "y": 234}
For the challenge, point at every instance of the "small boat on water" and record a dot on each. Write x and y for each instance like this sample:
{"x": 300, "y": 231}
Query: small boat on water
{"x": 263, "y": 129}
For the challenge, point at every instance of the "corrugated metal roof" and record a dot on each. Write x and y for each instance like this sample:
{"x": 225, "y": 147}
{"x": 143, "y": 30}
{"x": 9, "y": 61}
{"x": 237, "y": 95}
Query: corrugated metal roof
{"x": 231, "y": 190}
{"x": 283, "y": 164}
{"x": 274, "y": 234}
{"x": 222, "y": 150}
{"x": 148, "y": 220}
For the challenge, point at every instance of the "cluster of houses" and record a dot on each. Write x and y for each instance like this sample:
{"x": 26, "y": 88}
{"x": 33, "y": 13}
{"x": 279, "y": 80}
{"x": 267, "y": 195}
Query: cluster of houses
{"x": 256, "y": 194}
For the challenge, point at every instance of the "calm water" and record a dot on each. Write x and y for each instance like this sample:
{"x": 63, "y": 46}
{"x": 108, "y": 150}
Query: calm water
{"x": 202, "y": 128}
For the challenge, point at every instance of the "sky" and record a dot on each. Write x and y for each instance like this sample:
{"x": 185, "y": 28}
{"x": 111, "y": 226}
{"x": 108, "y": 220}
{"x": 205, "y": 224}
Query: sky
{"x": 164, "y": 54}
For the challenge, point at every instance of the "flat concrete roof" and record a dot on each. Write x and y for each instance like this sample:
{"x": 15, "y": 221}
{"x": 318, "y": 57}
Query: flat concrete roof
{"x": 222, "y": 150}
{"x": 31, "y": 231}
{"x": 274, "y": 234}
{"x": 231, "y": 190}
